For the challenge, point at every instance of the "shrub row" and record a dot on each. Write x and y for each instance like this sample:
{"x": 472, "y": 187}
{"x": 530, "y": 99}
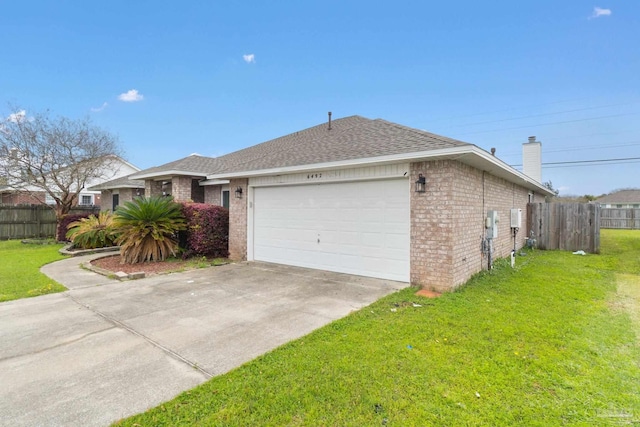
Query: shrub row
{"x": 206, "y": 234}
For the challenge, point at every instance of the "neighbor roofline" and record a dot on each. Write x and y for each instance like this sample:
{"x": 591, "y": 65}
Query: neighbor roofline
{"x": 127, "y": 163}
{"x": 101, "y": 187}
{"x": 166, "y": 174}
{"x": 469, "y": 154}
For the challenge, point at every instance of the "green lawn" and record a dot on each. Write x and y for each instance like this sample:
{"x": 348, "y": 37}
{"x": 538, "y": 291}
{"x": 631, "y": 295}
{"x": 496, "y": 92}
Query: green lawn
{"x": 549, "y": 343}
{"x": 20, "y": 264}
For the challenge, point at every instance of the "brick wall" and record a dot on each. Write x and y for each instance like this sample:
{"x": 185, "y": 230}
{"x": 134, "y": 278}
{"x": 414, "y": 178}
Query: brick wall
{"x": 431, "y": 227}
{"x": 238, "y": 221}
{"x": 152, "y": 188}
{"x": 128, "y": 194}
{"x": 124, "y": 195}
{"x": 181, "y": 188}
{"x": 447, "y": 225}
{"x": 22, "y": 198}
{"x": 212, "y": 194}
{"x": 107, "y": 200}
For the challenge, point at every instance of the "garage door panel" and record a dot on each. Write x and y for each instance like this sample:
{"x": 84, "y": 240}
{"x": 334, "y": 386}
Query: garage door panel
{"x": 362, "y": 227}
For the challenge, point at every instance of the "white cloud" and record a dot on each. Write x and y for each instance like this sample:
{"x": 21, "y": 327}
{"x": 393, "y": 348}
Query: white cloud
{"x": 249, "y": 59}
{"x": 598, "y": 12}
{"x": 17, "y": 116}
{"x": 131, "y": 96}
{"x": 100, "y": 108}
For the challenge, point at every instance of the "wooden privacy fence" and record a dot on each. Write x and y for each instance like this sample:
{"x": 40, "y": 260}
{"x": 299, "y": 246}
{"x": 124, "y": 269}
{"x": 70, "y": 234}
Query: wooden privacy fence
{"x": 565, "y": 226}
{"x": 628, "y": 219}
{"x": 29, "y": 221}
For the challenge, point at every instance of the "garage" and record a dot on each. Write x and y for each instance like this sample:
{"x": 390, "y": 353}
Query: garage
{"x": 359, "y": 227}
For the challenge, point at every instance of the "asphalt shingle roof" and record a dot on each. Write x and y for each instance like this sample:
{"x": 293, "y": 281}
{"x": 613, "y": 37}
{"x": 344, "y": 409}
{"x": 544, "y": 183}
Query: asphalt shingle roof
{"x": 122, "y": 182}
{"x": 350, "y": 138}
{"x": 622, "y": 196}
{"x": 195, "y": 164}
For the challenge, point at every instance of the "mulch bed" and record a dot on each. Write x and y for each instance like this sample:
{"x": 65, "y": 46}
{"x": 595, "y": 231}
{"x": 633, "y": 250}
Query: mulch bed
{"x": 115, "y": 264}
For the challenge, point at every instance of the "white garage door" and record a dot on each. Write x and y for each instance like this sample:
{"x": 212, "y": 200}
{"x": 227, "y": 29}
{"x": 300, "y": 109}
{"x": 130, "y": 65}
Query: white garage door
{"x": 358, "y": 228}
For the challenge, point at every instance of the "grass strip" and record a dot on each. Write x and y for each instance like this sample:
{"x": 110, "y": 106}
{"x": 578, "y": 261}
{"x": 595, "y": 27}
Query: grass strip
{"x": 539, "y": 345}
{"x": 20, "y": 275}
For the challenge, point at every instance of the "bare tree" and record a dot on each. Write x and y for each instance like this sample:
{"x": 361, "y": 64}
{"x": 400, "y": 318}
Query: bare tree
{"x": 54, "y": 156}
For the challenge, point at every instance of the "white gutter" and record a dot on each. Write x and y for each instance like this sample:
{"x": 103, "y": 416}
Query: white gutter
{"x": 478, "y": 158}
{"x": 115, "y": 187}
{"x": 214, "y": 182}
{"x": 166, "y": 174}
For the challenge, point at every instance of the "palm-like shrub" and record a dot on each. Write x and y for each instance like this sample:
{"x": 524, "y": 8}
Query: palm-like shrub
{"x": 93, "y": 232}
{"x": 148, "y": 228}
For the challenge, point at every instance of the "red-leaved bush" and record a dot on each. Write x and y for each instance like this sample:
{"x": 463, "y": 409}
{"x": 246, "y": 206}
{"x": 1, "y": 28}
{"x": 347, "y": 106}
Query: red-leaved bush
{"x": 207, "y": 231}
{"x": 63, "y": 227}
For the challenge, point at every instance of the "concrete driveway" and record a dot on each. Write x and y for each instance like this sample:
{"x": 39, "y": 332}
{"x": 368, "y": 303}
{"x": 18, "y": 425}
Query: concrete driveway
{"x": 105, "y": 350}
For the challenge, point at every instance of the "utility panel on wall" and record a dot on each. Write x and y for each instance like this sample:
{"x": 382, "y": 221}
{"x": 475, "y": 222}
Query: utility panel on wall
{"x": 492, "y": 224}
{"x": 516, "y": 218}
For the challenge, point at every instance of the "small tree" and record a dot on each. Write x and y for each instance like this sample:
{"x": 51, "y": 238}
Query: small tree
{"x": 54, "y": 156}
{"x": 148, "y": 229}
{"x": 549, "y": 185}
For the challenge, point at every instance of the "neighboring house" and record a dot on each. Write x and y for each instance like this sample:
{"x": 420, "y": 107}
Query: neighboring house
{"x": 348, "y": 196}
{"x": 117, "y": 168}
{"x": 620, "y": 199}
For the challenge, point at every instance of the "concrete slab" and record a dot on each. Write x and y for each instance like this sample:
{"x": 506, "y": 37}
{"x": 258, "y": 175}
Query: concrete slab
{"x": 108, "y": 349}
{"x": 69, "y": 272}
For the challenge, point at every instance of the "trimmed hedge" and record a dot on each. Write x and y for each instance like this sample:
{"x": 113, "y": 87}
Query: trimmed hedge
{"x": 63, "y": 226}
{"x": 207, "y": 231}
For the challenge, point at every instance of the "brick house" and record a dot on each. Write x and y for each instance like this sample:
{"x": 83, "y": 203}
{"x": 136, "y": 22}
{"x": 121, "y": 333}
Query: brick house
{"x": 88, "y": 196}
{"x": 361, "y": 196}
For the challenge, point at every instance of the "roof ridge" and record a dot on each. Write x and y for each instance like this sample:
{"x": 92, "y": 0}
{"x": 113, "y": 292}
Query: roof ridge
{"x": 422, "y": 132}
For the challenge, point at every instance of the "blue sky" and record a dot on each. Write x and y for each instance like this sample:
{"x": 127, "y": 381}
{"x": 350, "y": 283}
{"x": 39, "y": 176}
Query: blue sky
{"x": 174, "y": 78}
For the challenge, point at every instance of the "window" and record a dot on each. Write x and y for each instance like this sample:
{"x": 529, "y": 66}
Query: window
{"x": 115, "y": 201}
{"x": 225, "y": 199}
{"x": 49, "y": 200}
{"x": 86, "y": 200}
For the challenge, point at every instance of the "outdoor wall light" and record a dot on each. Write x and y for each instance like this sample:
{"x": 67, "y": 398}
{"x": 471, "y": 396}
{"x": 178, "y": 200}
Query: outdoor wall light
{"x": 421, "y": 184}
{"x": 239, "y": 193}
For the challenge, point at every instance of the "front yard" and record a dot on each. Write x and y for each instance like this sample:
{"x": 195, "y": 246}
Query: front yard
{"x": 553, "y": 342}
{"x": 20, "y": 264}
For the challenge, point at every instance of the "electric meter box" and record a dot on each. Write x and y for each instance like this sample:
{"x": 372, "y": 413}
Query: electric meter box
{"x": 516, "y": 218}
{"x": 492, "y": 224}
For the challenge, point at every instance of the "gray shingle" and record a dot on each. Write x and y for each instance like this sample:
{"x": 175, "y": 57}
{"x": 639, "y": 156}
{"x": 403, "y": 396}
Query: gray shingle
{"x": 194, "y": 164}
{"x": 621, "y": 196}
{"x": 122, "y": 182}
{"x": 350, "y": 138}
